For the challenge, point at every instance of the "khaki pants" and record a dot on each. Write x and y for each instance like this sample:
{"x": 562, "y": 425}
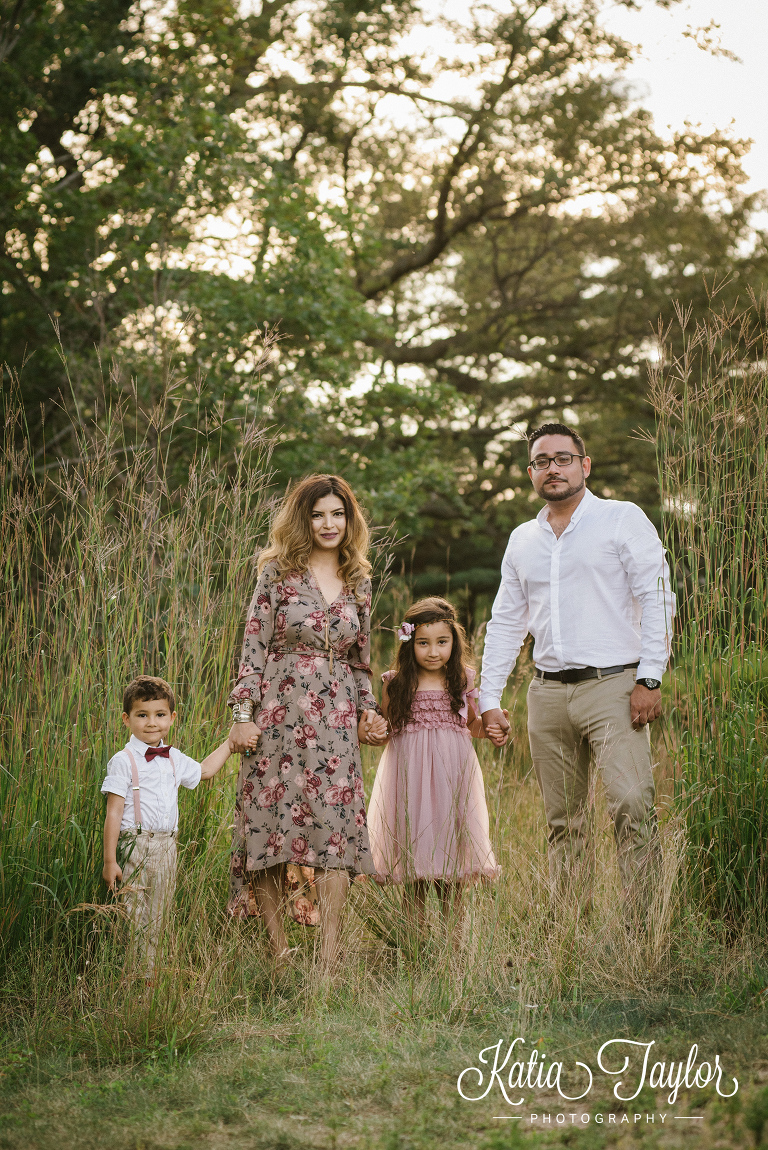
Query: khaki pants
{"x": 149, "y": 881}
{"x": 569, "y": 723}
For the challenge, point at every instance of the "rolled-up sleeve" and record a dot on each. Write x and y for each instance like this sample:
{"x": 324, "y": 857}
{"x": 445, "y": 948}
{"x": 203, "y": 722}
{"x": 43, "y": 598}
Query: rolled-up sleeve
{"x": 504, "y": 636}
{"x": 118, "y": 780}
{"x": 643, "y": 558}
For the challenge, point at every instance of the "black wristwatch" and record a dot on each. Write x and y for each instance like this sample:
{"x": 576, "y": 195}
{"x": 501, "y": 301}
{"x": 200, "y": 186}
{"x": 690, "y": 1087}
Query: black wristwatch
{"x": 650, "y": 684}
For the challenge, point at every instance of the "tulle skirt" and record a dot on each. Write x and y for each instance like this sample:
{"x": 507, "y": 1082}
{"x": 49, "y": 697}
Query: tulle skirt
{"x": 427, "y": 818}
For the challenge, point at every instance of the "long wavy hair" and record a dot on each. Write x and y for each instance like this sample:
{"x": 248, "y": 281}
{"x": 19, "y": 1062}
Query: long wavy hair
{"x": 404, "y": 683}
{"x": 290, "y": 536}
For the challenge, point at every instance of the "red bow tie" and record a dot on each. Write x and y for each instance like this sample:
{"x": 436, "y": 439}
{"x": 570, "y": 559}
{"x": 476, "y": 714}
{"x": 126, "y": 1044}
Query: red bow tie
{"x": 151, "y": 752}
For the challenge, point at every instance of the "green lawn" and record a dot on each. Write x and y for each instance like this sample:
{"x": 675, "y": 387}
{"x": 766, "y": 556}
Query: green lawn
{"x": 329, "y": 1070}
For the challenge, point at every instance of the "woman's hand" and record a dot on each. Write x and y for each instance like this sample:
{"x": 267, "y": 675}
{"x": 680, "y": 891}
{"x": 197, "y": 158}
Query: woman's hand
{"x": 372, "y": 729}
{"x": 244, "y": 737}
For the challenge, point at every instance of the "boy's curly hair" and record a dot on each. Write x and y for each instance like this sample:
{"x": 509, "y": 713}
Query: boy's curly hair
{"x": 403, "y": 685}
{"x": 145, "y": 689}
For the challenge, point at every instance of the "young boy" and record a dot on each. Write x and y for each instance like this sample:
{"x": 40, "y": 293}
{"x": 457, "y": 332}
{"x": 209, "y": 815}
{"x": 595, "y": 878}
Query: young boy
{"x": 142, "y": 806}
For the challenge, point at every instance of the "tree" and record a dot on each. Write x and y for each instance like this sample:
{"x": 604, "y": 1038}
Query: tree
{"x": 457, "y": 244}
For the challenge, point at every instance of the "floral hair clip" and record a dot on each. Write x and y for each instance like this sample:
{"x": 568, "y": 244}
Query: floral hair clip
{"x": 405, "y": 631}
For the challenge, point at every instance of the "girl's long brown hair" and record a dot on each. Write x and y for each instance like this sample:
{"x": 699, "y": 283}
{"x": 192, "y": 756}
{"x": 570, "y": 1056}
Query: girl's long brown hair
{"x": 404, "y": 683}
{"x": 290, "y": 536}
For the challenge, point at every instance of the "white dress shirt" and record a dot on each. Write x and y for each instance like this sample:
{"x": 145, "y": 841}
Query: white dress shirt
{"x": 598, "y": 596}
{"x": 158, "y": 792}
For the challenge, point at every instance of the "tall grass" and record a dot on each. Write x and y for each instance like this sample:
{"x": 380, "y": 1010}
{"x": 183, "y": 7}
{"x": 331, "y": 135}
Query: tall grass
{"x": 711, "y": 402}
{"x": 109, "y": 572}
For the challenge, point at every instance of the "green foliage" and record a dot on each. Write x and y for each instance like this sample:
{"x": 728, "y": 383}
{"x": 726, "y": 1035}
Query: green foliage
{"x": 452, "y": 251}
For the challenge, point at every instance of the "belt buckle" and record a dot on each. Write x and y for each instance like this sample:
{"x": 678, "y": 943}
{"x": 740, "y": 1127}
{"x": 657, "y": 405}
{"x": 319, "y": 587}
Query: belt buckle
{"x": 570, "y": 675}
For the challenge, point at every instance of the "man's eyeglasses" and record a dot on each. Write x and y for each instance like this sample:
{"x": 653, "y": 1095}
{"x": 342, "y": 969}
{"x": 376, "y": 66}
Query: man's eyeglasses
{"x": 562, "y": 459}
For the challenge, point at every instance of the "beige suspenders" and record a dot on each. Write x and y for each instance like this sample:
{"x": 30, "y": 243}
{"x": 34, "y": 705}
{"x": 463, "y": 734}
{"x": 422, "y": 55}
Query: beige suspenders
{"x": 135, "y": 788}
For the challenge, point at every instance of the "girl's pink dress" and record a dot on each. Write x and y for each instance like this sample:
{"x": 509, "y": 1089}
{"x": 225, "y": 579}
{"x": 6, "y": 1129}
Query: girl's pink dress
{"x": 427, "y": 818}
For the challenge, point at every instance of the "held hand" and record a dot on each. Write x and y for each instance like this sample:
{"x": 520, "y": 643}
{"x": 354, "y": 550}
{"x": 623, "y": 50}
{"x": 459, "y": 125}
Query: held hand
{"x": 112, "y": 874}
{"x": 496, "y": 726}
{"x": 244, "y": 737}
{"x": 644, "y": 706}
{"x": 372, "y": 729}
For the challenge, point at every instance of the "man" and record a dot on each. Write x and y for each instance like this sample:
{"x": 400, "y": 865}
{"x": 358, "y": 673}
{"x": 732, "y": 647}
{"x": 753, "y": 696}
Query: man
{"x": 588, "y": 578}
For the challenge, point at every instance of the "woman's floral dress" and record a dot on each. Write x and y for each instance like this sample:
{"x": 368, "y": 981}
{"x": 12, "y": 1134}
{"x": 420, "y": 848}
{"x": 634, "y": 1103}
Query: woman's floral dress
{"x": 305, "y": 665}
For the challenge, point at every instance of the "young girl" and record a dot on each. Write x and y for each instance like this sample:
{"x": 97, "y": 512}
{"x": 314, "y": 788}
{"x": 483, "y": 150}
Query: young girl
{"x": 427, "y": 818}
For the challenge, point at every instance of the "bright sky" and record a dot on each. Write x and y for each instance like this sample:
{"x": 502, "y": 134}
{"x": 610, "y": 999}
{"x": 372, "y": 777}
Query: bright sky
{"x": 677, "y": 81}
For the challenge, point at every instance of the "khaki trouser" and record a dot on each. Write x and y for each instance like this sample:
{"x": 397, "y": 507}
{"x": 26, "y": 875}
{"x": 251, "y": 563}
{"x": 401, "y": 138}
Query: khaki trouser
{"x": 567, "y": 724}
{"x": 149, "y": 881}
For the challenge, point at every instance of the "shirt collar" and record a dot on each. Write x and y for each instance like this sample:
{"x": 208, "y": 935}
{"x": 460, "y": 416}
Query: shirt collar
{"x": 137, "y": 745}
{"x": 584, "y": 502}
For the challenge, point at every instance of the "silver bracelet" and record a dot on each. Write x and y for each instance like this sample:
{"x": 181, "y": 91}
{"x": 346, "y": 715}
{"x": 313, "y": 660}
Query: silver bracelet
{"x": 242, "y": 711}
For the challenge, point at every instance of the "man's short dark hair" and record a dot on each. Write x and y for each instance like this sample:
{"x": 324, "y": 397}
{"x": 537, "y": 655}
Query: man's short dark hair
{"x": 555, "y": 429}
{"x": 145, "y": 689}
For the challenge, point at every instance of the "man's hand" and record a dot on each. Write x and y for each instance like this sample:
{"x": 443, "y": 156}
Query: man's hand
{"x": 496, "y": 726}
{"x": 644, "y": 706}
{"x": 244, "y": 737}
{"x": 112, "y": 874}
{"x": 372, "y": 729}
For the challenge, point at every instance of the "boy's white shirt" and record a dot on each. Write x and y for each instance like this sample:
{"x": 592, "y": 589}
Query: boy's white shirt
{"x": 158, "y": 793}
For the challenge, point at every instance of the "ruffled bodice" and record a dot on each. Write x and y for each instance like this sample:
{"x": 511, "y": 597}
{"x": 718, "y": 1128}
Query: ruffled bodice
{"x": 431, "y": 711}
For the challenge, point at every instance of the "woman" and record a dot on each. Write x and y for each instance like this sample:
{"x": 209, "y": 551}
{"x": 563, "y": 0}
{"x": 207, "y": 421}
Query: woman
{"x": 302, "y": 689}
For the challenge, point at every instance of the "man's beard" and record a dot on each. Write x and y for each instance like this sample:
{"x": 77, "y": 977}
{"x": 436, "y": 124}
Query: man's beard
{"x": 557, "y": 496}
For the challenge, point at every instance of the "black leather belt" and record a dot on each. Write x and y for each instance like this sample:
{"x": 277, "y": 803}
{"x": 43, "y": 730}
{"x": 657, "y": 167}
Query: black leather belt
{"x": 579, "y": 674}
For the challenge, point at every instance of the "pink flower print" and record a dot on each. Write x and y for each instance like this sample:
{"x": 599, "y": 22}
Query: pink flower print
{"x": 264, "y": 604}
{"x": 301, "y": 852}
{"x": 305, "y": 736}
{"x": 358, "y": 785}
{"x": 306, "y": 664}
{"x": 265, "y": 685}
{"x": 342, "y": 716}
{"x": 241, "y": 693}
{"x": 253, "y": 626}
{"x": 286, "y": 685}
{"x": 316, "y": 620}
{"x": 245, "y": 669}
{"x": 337, "y": 844}
{"x": 265, "y": 798}
{"x": 312, "y": 705}
{"x": 333, "y": 690}
{"x": 332, "y": 796}
{"x": 309, "y": 783}
{"x": 347, "y": 795}
{"x": 301, "y": 814}
{"x": 247, "y": 791}
{"x": 278, "y": 789}
{"x": 272, "y": 715}
{"x": 285, "y": 764}
{"x": 305, "y": 912}
{"x": 334, "y": 762}
{"x": 274, "y": 844}
{"x": 281, "y": 625}
{"x": 359, "y": 819}
{"x": 263, "y": 766}
{"x": 290, "y": 593}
